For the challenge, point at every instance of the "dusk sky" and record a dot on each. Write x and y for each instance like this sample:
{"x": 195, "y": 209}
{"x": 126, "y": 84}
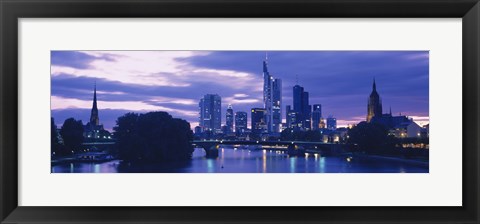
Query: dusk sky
{"x": 174, "y": 81}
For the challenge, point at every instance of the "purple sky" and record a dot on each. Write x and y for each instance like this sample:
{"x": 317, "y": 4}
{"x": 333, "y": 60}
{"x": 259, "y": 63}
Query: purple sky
{"x": 174, "y": 81}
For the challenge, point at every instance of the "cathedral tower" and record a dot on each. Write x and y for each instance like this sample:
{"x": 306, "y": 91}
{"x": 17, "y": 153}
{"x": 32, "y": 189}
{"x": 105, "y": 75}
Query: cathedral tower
{"x": 94, "y": 120}
{"x": 374, "y": 104}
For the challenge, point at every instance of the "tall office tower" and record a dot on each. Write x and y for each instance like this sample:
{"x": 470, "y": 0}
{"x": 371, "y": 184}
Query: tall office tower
{"x": 210, "y": 112}
{"x": 302, "y": 107}
{"x": 272, "y": 99}
{"x": 259, "y": 125}
{"x": 276, "y": 106}
{"x": 229, "y": 119}
{"x": 240, "y": 123}
{"x": 316, "y": 116}
{"x": 267, "y": 94}
{"x": 288, "y": 118}
{"x": 331, "y": 123}
{"x": 307, "y": 112}
{"x": 374, "y": 107}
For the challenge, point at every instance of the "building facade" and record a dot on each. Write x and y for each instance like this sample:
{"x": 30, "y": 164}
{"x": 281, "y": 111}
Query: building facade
{"x": 316, "y": 116}
{"x": 229, "y": 119}
{"x": 272, "y": 100}
{"x": 258, "y": 122}
{"x": 331, "y": 123}
{"x": 210, "y": 113}
{"x": 302, "y": 108}
{"x": 240, "y": 123}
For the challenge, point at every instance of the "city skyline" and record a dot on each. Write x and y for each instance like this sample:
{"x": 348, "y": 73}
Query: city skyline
{"x": 174, "y": 81}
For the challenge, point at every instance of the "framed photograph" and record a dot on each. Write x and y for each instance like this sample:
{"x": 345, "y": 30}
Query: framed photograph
{"x": 250, "y": 112}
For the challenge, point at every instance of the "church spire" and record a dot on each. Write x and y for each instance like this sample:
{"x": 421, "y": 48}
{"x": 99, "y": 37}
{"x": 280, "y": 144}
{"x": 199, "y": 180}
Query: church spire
{"x": 374, "y": 107}
{"x": 94, "y": 120}
{"x": 95, "y": 96}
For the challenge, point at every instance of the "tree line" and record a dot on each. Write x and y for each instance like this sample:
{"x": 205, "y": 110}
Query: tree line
{"x": 149, "y": 137}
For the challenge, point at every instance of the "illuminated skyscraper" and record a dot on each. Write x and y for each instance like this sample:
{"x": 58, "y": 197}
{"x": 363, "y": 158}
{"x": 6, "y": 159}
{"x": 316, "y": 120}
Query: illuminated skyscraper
{"x": 292, "y": 118}
{"x": 276, "y": 106}
{"x": 210, "y": 112}
{"x": 302, "y": 108}
{"x": 331, "y": 123}
{"x": 316, "y": 116}
{"x": 229, "y": 119}
{"x": 240, "y": 123}
{"x": 272, "y": 100}
{"x": 259, "y": 125}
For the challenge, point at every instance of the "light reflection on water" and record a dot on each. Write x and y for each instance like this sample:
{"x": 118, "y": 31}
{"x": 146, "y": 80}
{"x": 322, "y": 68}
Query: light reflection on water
{"x": 252, "y": 161}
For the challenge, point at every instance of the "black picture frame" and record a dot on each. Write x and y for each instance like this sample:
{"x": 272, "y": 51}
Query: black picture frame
{"x": 12, "y": 10}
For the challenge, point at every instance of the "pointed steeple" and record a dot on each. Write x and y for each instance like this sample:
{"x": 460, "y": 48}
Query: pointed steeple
{"x": 374, "y": 107}
{"x": 94, "y": 120}
{"x": 95, "y": 96}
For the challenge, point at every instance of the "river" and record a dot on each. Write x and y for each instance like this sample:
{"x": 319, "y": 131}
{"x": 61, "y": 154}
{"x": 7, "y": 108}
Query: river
{"x": 232, "y": 160}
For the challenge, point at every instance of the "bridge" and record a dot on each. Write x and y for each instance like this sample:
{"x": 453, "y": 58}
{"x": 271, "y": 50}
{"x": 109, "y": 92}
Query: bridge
{"x": 293, "y": 147}
{"x": 98, "y": 145}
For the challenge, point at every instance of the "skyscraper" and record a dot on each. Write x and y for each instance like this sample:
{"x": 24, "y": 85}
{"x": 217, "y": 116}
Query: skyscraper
{"x": 229, "y": 119}
{"x": 240, "y": 123}
{"x": 276, "y": 106}
{"x": 374, "y": 107}
{"x": 272, "y": 99}
{"x": 331, "y": 123}
{"x": 301, "y": 107}
{"x": 259, "y": 125}
{"x": 307, "y": 112}
{"x": 292, "y": 118}
{"x": 210, "y": 112}
{"x": 316, "y": 116}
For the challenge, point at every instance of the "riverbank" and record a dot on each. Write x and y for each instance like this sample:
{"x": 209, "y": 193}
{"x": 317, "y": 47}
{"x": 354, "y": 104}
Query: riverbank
{"x": 397, "y": 159}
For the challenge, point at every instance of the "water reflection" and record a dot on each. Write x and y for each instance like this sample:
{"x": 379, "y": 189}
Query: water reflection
{"x": 232, "y": 160}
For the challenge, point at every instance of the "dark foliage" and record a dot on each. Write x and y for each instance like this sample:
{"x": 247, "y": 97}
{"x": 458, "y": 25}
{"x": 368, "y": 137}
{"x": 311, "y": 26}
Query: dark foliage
{"x": 72, "y": 134}
{"x": 152, "y": 137}
{"x": 56, "y": 147}
{"x": 371, "y": 137}
{"x": 295, "y": 135}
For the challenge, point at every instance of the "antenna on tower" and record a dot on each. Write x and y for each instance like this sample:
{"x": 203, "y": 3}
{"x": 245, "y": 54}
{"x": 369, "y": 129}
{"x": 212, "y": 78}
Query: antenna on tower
{"x": 296, "y": 79}
{"x": 266, "y": 55}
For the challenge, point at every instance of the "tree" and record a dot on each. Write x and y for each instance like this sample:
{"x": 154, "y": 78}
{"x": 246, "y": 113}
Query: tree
{"x": 370, "y": 137}
{"x": 297, "y": 135}
{"x": 72, "y": 134}
{"x": 153, "y": 137}
{"x": 54, "y": 141}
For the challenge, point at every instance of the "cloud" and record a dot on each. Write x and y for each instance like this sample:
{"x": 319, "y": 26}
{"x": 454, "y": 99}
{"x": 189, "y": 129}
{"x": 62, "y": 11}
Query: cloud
{"x": 240, "y": 95}
{"x": 174, "y": 81}
{"x": 59, "y": 103}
